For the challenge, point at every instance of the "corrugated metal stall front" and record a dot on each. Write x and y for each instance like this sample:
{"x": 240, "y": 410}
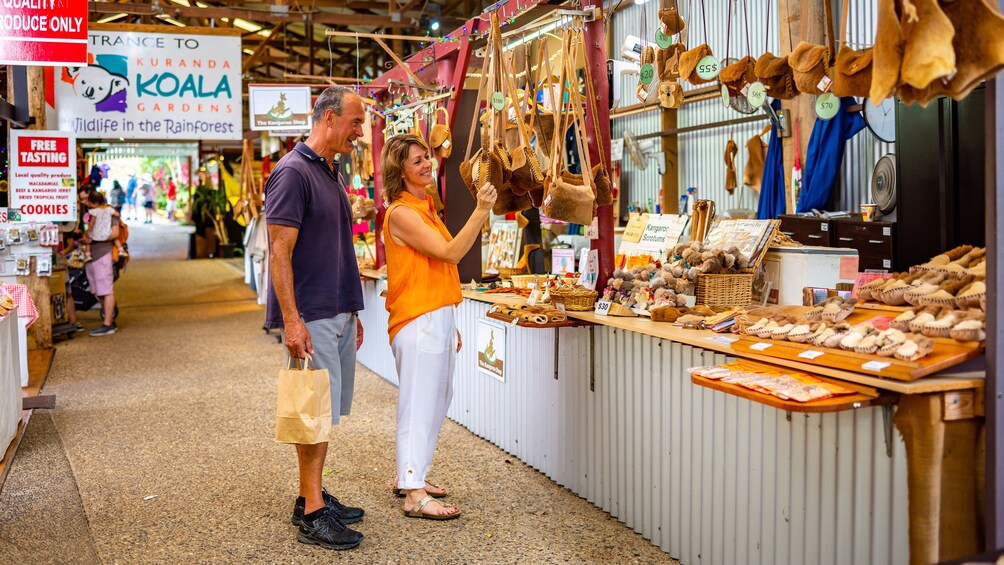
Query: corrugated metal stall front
{"x": 375, "y": 353}
{"x": 708, "y": 477}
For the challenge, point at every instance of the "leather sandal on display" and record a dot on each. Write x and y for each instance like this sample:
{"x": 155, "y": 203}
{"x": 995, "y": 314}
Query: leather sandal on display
{"x": 416, "y": 512}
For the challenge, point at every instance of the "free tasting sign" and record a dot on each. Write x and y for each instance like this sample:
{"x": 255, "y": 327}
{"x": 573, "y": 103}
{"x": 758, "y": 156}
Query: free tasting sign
{"x": 42, "y": 175}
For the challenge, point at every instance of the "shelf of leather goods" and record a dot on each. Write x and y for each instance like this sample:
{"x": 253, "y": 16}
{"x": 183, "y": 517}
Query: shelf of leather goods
{"x": 946, "y": 353}
{"x": 729, "y": 344}
{"x": 512, "y": 301}
{"x": 855, "y": 396}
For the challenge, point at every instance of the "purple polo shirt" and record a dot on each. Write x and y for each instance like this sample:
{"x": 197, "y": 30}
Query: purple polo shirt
{"x": 302, "y": 192}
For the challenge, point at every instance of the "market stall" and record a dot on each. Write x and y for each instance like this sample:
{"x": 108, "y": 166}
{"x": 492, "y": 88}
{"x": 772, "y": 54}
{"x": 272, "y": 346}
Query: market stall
{"x": 726, "y": 391}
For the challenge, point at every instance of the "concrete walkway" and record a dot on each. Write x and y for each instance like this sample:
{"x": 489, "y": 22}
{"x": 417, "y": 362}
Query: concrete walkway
{"x": 160, "y": 449}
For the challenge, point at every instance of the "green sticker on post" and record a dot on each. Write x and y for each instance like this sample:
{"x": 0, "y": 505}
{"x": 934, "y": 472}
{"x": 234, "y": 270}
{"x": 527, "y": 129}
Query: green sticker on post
{"x": 498, "y": 101}
{"x": 756, "y": 94}
{"x": 647, "y": 74}
{"x": 663, "y": 40}
{"x": 434, "y": 162}
{"x": 708, "y": 67}
{"x": 827, "y": 106}
{"x": 725, "y": 96}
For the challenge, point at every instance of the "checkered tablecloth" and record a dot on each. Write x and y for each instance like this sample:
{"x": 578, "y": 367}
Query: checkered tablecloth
{"x": 25, "y": 305}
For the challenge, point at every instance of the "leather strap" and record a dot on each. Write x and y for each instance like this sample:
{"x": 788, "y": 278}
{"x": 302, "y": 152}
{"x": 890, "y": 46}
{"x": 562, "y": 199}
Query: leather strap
{"x": 845, "y": 8}
{"x": 477, "y": 107}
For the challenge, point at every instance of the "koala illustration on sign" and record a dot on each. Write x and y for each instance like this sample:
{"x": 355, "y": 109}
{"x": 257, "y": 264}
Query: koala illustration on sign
{"x": 100, "y": 84}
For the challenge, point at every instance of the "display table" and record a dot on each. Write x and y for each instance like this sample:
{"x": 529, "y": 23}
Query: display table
{"x": 610, "y": 412}
{"x": 10, "y": 379}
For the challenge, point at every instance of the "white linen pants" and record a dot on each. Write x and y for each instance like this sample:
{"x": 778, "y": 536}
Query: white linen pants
{"x": 425, "y": 352}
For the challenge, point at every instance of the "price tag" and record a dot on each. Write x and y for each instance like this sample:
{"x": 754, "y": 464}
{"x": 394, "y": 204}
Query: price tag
{"x": 708, "y": 67}
{"x": 761, "y": 346}
{"x": 810, "y": 354}
{"x": 756, "y": 94}
{"x": 874, "y": 366}
{"x": 514, "y": 322}
{"x": 887, "y": 231}
{"x": 561, "y": 308}
{"x": 722, "y": 339}
{"x": 534, "y": 297}
{"x": 824, "y": 84}
{"x": 602, "y": 307}
{"x": 663, "y": 40}
{"x": 434, "y": 162}
{"x": 824, "y": 227}
{"x": 498, "y": 101}
{"x": 357, "y": 181}
{"x": 647, "y": 74}
{"x": 725, "y": 96}
{"x": 827, "y": 106}
{"x": 616, "y": 149}
{"x": 592, "y": 231}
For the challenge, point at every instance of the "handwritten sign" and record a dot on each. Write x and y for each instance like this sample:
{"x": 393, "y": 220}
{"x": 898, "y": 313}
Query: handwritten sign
{"x": 635, "y": 228}
{"x": 661, "y": 232}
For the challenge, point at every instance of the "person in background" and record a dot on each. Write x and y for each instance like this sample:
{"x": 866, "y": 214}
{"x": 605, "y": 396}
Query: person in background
{"x": 172, "y": 198}
{"x": 423, "y": 290}
{"x": 116, "y": 197}
{"x": 99, "y": 225}
{"x": 315, "y": 292}
{"x": 131, "y": 213}
{"x": 149, "y": 193}
{"x": 100, "y": 271}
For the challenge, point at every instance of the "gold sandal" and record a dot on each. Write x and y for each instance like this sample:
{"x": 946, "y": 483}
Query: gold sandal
{"x": 416, "y": 512}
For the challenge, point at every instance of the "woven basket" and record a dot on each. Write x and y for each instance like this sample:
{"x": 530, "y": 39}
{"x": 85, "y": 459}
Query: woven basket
{"x": 524, "y": 281}
{"x": 725, "y": 290}
{"x": 574, "y": 299}
{"x": 509, "y": 272}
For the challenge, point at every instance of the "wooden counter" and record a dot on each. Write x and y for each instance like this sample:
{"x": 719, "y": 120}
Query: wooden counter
{"x": 723, "y": 343}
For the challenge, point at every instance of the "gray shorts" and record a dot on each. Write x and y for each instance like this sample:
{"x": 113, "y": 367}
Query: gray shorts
{"x": 334, "y": 341}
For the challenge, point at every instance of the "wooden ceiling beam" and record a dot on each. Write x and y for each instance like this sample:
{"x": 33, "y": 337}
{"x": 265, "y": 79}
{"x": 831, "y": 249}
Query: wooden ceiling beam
{"x": 245, "y": 14}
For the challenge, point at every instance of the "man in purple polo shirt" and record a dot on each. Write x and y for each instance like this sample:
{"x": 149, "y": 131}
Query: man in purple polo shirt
{"x": 315, "y": 291}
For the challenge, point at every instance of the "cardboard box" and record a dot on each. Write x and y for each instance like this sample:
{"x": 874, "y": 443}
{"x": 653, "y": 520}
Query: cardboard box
{"x": 790, "y": 269}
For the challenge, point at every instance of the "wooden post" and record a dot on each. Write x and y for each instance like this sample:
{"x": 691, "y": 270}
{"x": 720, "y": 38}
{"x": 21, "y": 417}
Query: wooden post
{"x": 802, "y": 109}
{"x": 670, "y": 202}
{"x": 942, "y": 456}
{"x": 40, "y": 333}
{"x": 596, "y": 58}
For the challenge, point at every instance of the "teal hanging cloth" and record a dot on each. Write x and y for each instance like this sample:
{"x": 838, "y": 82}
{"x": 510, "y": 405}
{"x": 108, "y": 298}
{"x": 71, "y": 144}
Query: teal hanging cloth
{"x": 772, "y": 186}
{"x": 824, "y": 155}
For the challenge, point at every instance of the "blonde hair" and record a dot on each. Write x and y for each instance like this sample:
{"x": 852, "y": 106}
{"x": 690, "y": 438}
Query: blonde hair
{"x": 392, "y": 158}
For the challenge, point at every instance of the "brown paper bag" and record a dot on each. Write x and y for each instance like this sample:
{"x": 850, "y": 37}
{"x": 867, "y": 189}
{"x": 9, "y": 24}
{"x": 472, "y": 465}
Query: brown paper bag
{"x": 303, "y": 410}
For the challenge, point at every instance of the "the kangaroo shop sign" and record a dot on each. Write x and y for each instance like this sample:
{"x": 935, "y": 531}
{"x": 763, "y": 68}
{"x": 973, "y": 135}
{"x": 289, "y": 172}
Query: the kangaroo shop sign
{"x": 152, "y": 85}
{"x": 43, "y": 32}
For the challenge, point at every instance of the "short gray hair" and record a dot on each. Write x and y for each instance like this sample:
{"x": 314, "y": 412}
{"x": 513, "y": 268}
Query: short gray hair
{"x": 331, "y": 99}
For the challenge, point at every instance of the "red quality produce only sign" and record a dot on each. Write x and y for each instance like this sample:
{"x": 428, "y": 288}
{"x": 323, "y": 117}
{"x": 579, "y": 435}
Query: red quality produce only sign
{"x": 43, "y": 32}
{"x": 42, "y": 182}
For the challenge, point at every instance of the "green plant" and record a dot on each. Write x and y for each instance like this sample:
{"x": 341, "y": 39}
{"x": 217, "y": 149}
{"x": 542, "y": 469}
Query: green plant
{"x": 212, "y": 206}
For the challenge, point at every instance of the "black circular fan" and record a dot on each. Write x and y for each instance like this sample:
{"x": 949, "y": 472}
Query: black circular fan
{"x": 884, "y": 184}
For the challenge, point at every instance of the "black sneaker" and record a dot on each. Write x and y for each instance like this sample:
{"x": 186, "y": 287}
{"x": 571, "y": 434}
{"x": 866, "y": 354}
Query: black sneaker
{"x": 328, "y": 532}
{"x": 103, "y": 330}
{"x": 346, "y": 514}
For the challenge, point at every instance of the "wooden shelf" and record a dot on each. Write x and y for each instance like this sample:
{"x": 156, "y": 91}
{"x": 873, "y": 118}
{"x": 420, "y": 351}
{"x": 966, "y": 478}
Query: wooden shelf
{"x": 722, "y": 343}
{"x": 570, "y": 323}
{"x": 833, "y": 404}
{"x": 947, "y": 353}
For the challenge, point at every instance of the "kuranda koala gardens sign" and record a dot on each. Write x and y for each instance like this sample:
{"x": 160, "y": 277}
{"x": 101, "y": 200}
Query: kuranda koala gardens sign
{"x": 43, "y": 32}
{"x": 152, "y": 85}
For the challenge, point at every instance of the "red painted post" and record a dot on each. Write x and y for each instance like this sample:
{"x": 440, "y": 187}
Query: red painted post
{"x": 378, "y": 125}
{"x": 596, "y": 58}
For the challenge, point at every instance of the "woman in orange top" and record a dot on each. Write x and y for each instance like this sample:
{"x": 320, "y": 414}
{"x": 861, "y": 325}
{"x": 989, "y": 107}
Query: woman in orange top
{"x": 423, "y": 290}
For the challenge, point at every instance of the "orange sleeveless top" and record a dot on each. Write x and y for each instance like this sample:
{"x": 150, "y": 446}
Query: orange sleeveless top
{"x": 417, "y": 284}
